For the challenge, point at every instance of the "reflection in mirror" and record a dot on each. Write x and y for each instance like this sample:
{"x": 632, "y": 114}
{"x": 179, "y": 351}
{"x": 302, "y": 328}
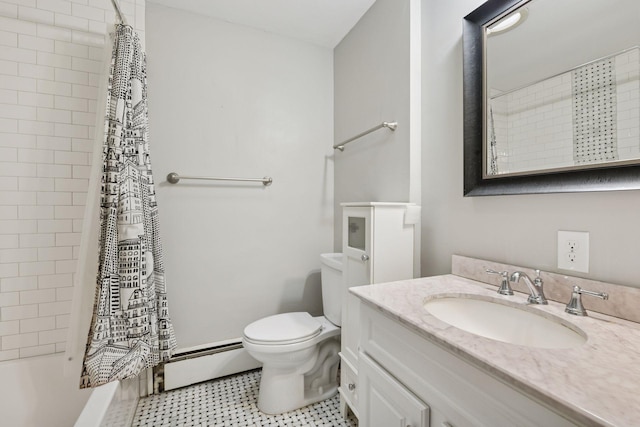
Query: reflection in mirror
{"x": 561, "y": 87}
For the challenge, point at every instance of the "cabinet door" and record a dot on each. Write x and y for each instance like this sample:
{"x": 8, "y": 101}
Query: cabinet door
{"x": 351, "y": 329}
{"x": 356, "y": 245}
{"x": 349, "y": 387}
{"x": 384, "y": 402}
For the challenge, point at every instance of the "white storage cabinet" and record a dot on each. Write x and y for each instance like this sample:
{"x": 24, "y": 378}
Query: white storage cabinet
{"x": 377, "y": 246}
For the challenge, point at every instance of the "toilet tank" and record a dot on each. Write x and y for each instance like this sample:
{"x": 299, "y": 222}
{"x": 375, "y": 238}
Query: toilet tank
{"x": 332, "y": 292}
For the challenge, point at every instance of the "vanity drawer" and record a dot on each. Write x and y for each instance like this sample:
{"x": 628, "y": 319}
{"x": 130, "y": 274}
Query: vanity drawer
{"x": 349, "y": 384}
{"x": 463, "y": 394}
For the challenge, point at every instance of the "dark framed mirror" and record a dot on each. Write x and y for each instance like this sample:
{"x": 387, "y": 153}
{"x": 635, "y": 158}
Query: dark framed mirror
{"x": 564, "y": 82}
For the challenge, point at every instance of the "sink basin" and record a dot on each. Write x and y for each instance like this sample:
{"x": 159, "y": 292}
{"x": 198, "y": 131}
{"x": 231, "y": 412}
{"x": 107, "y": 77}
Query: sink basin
{"x": 500, "y": 321}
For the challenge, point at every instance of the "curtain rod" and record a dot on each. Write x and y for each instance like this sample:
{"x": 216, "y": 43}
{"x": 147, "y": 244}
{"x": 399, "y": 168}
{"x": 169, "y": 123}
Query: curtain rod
{"x": 116, "y": 6}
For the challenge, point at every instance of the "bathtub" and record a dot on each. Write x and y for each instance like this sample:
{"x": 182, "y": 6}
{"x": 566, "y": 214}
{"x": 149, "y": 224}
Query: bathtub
{"x": 112, "y": 404}
{"x": 35, "y": 392}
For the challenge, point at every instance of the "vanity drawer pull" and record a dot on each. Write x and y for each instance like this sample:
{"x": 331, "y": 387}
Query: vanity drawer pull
{"x": 351, "y": 386}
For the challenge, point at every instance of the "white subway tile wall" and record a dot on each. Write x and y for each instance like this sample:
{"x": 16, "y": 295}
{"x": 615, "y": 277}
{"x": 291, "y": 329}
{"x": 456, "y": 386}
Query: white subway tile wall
{"x": 51, "y": 54}
{"x": 539, "y": 120}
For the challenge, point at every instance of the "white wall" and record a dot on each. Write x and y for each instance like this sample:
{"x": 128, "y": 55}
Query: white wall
{"x": 374, "y": 77}
{"x": 231, "y": 101}
{"x": 519, "y": 230}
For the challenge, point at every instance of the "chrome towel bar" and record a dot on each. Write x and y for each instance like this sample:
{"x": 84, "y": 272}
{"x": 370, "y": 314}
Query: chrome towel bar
{"x": 174, "y": 178}
{"x": 389, "y": 125}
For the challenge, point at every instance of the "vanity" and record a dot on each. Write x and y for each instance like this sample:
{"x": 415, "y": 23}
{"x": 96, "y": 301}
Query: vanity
{"x": 417, "y": 370}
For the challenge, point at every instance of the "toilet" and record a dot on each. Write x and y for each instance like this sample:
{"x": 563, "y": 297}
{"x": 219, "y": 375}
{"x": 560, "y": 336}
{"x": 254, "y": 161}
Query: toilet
{"x": 299, "y": 353}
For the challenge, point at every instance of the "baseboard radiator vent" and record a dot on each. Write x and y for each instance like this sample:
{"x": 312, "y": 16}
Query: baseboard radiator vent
{"x": 203, "y": 364}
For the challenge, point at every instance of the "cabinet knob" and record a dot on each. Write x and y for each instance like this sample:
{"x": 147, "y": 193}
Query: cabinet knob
{"x": 351, "y": 386}
{"x": 364, "y": 257}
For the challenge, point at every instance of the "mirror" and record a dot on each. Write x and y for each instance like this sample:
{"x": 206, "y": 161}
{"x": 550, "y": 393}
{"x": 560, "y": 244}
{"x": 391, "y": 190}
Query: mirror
{"x": 552, "y": 96}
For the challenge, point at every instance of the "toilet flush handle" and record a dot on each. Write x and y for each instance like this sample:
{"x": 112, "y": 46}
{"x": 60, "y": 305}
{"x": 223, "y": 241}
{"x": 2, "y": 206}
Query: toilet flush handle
{"x": 364, "y": 257}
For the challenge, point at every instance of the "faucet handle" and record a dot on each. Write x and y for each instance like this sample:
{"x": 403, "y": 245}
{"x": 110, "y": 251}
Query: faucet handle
{"x": 538, "y": 279}
{"x": 505, "y": 288}
{"x": 575, "y": 306}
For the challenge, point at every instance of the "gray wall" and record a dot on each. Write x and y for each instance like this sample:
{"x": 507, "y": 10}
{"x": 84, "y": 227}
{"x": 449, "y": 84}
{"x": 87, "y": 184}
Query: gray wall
{"x": 518, "y": 230}
{"x": 372, "y": 84}
{"x": 228, "y": 100}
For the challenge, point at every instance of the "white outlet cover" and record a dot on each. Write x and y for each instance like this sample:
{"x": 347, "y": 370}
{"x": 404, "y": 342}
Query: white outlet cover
{"x": 578, "y": 260}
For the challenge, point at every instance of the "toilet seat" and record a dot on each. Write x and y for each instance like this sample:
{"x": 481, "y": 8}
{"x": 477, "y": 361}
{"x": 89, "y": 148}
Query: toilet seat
{"x": 281, "y": 329}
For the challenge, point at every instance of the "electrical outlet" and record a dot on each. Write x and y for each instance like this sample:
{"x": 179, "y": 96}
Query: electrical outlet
{"x": 573, "y": 251}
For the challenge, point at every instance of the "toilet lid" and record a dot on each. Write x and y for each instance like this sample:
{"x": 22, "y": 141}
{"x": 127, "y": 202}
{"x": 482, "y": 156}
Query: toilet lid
{"x": 287, "y": 328}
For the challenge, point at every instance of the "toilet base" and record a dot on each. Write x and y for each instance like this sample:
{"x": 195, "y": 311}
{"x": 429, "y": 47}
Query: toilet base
{"x": 283, "y": 390}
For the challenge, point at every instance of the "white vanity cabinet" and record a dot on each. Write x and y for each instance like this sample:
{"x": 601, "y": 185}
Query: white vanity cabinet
{"x": 377, "y": 246}
{"x": 418, "y": 372}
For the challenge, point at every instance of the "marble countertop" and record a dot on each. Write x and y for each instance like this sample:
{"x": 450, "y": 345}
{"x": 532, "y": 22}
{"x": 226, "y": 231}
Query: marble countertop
{"x": 597, "y": 383}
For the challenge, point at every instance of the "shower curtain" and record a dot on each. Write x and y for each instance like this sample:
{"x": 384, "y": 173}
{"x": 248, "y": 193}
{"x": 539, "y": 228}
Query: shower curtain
{"x": 130, "y": 328}
{"x": 493, "y": 164}
{"x": 595, "y": 120}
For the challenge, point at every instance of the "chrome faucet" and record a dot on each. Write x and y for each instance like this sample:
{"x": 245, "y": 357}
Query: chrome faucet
{"x": 535, "y": 287}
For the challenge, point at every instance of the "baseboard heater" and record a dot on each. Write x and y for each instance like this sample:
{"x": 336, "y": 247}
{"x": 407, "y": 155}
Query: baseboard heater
{"x": 200, "y": 364}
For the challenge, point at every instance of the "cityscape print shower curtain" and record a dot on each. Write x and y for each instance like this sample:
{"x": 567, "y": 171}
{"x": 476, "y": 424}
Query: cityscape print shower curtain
{"x": 130, "y": 329}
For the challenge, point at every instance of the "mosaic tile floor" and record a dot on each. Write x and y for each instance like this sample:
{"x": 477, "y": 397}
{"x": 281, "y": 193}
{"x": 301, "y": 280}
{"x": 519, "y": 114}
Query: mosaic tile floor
{"x": 230, "y": 401}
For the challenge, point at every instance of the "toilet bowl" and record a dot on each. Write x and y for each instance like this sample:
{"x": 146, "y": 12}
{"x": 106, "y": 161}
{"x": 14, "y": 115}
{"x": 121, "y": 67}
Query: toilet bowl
{"x": 299, "y": 353}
